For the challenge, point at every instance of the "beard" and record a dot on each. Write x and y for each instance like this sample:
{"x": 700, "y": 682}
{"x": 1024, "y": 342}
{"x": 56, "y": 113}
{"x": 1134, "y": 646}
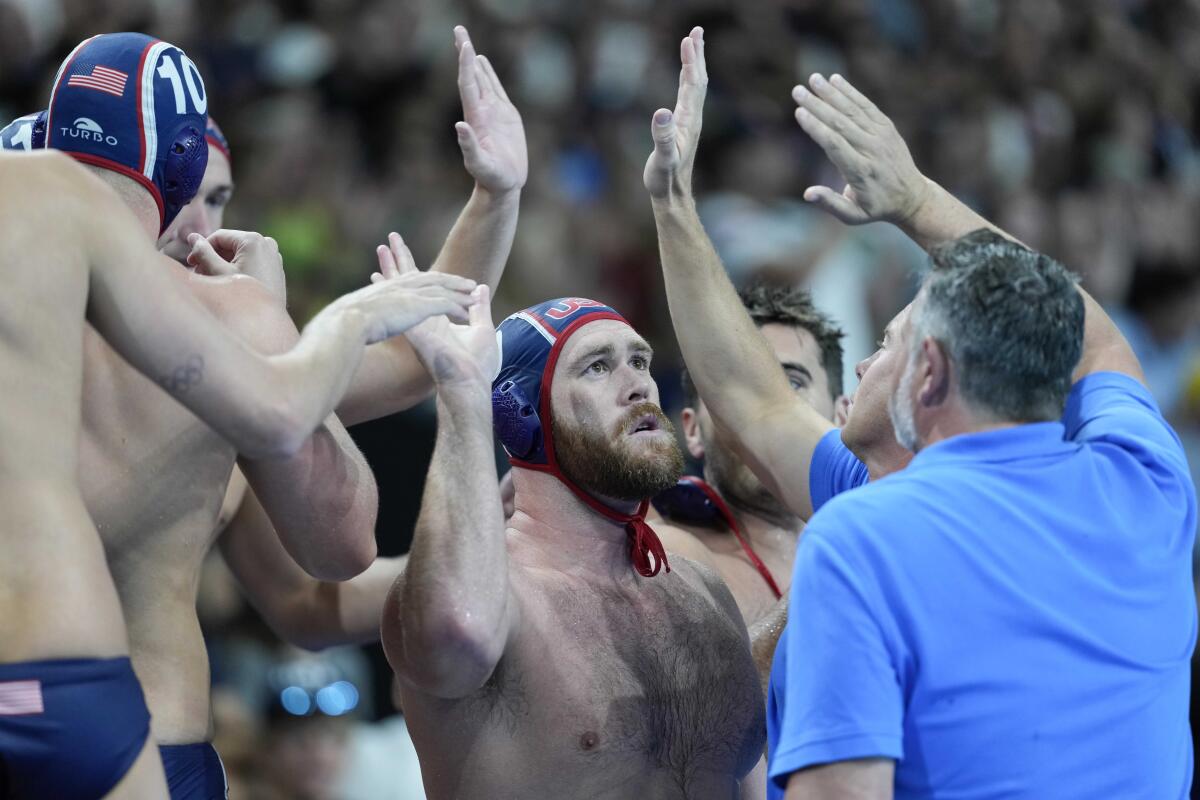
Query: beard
{"x": 900, "y": 409}
{"x": 738, "y": 485}
{"x": 606, "y": 464}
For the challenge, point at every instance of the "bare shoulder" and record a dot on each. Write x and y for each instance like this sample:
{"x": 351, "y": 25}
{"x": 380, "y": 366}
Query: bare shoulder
{"x": 680, "y": 541}
{"x": 249, "y": 309}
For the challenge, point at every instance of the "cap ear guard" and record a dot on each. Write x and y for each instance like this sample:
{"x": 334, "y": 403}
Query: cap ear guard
{"x": 686, "y": 502}
{"x": 516, "y": 420}
{"x": 183, "y": 170}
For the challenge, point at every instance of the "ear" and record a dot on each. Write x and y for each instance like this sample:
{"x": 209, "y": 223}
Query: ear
{"x": 934, "y": 374}
{"x": 841, "y": 411}
{"x": 690, "y": 422}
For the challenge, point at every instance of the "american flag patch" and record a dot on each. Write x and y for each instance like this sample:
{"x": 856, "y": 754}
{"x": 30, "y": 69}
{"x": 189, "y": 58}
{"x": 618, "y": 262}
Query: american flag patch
{"x": 102, "y": 79}
{"x": 20, "y": 697}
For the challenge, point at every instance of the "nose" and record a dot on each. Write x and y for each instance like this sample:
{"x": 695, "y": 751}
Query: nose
{"x": 639, "y": 389}
{"x": 194, "y": 219}
{"x": 862, "y": 366}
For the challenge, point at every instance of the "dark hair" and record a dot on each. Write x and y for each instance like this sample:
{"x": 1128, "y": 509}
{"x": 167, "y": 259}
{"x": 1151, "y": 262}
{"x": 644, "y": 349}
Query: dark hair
{"x": 1011, "y": 320}
{"x": 791, "y": 306}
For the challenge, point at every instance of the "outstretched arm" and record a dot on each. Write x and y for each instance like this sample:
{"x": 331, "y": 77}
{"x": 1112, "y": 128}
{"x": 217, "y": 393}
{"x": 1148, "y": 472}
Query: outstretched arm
{"x": 266, "y": 407}
{"x": 734, "y": 369}
{"x": 450, "y": 616}
{"x": 302, "y": 610}
{"x": 884, "y": 184}
{"x": 492, "y": 139}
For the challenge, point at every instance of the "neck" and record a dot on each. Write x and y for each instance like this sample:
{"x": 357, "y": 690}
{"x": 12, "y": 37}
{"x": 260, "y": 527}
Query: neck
{"x": 885, "y": 459}
{"x": 957, "y": 419}
{"x": 565, "y": 532}
{"x": 759, "y": 521}
{"x": 135, "y": 196}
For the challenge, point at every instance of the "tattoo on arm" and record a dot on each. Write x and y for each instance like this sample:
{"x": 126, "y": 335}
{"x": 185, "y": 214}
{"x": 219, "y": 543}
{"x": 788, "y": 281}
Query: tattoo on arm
{"x": 185, "y": 377}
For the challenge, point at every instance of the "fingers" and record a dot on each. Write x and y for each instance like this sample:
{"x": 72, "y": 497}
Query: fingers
{"x": 205, "y": 259}
{"x": 387, "y": 264}
{"x": 840, "y": 152}
{"x": 860, "y": 100}
{"x": 402, "y": 255}
{"x": 480, "y": 311}
{"x": 836, "y": 204}
{"x": 693, "y": 80}
{"x": 836, "y": 103}
{"x": 468, "y": 76}
{"x": 492, "y": 78}
{"x": 832, "y": 117}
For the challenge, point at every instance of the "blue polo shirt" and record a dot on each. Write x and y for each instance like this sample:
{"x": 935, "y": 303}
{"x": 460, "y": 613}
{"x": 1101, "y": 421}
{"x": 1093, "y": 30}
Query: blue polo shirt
{"x": 1010, "y": 616}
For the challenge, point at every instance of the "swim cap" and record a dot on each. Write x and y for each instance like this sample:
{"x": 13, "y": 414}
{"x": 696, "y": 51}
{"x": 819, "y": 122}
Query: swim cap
{"x": 24, "y": 133}
{"x": 217, "y": 139}
{"x": 135, "y": 105}
{"x": 530, "y": 343}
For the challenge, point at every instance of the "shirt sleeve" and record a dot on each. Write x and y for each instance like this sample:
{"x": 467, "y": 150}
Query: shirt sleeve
{"x": 843, "y": 697}
{"x": 1115, "y": 409}
{"x": 834, "y": 469}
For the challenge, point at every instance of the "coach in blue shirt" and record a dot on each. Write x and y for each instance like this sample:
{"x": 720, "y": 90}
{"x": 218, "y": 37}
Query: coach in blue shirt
{"x": 1009, "y": 616}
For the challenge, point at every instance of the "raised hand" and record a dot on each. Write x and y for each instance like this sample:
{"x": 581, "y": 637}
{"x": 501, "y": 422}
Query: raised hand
{"x": 450, "y": 353}
{"x": 228, "y": 252}
{"x": 491, "y": 136}
{"x": 676, "y": 134}
{"x": 882, "y": 182}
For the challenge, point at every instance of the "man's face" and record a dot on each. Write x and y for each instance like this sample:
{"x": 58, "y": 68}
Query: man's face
{"x": 868, "y": 424}
{"x": 610, "y": 434}
{"x": 800, "y": 358}
{"x": 205, "y": 213}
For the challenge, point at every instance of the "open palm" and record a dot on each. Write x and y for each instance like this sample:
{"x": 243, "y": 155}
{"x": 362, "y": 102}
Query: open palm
{"x": 492, "y": 136}
{"x": 448, "y": 351}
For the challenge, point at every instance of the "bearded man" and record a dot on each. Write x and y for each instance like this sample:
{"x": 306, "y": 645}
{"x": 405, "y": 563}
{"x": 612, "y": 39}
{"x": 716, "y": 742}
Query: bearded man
{"x": 563, "y": 657}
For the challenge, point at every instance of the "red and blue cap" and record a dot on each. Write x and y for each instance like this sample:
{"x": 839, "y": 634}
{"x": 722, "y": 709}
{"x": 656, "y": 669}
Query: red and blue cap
{"x": 531, "y": 342}
{"x": 135, "y": 105}
{"x": 217, "y": 139}
{"x": 24, "y": 133}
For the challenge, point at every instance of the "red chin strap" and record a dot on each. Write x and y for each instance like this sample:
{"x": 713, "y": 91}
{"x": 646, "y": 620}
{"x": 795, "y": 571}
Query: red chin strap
{"x": 645, "y": 550}
{"x": 731, "y": 522}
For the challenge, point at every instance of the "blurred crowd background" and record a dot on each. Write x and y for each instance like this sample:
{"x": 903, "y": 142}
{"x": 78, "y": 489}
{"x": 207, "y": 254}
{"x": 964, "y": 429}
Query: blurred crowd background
{"x": 1071, "y": 124}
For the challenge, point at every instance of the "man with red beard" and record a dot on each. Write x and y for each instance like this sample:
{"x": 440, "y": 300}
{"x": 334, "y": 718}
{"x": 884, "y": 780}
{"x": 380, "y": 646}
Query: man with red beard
{"x": 563, "y": 657}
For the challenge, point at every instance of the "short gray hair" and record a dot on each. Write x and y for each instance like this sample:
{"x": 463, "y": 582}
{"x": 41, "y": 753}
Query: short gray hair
{"x": 1011, "y": 321}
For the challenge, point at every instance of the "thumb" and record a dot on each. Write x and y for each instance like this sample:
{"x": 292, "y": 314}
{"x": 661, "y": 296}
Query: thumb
{"x": 480, "y": 314}
{"x": 836, "y": 204}
{"x": 468, "y": 142}
{"x": 662, "y": 128}
{"x": 205, "y": 259}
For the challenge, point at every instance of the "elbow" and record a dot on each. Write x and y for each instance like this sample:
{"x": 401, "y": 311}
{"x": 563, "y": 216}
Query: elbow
{"x": 446, "y": 655}
{"x": 279, "y": 432}
{"x": 346, "y": 561}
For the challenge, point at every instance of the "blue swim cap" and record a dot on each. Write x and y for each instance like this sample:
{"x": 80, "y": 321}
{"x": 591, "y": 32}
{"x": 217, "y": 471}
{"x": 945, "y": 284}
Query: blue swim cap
{"x": 530, "y": 344}
{"x": 24, "y": 133}
{"x": 135, "y": 105}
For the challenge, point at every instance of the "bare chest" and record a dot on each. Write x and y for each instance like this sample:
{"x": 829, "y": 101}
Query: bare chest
{"x": 658, "y": 679}
{"x": 749, "y": 587}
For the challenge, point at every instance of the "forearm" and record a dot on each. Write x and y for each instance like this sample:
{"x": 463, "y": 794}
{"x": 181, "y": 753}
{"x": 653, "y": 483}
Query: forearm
{"x": 478, "y": 245}
{"x": 453, "y": 602}
{"x": 390, "y": 378}
{"x": 322, "y": 503}
{"x": 330, "y": 614}
{"x": 942, "y": 218}
{"x": 764, "y": 637}
{"x": 732, "y": 366}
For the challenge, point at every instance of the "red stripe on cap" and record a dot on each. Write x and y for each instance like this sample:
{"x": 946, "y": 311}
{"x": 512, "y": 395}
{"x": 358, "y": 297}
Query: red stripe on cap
{"x": 116, "y": 166}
